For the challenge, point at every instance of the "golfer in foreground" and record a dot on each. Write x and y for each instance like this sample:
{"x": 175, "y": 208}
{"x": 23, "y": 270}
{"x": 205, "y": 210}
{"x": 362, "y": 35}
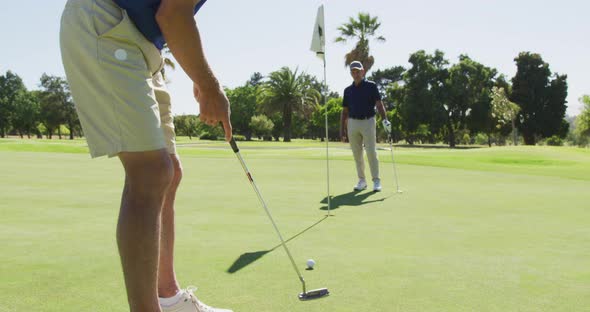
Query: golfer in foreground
{"x": 111, "y": 52}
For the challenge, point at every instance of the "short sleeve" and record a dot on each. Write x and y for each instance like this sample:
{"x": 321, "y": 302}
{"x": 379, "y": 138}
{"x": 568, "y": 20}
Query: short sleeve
{"x": 199, "y": 5}
{"x": 376, "y": 93}
{"x": 345, "y": 99}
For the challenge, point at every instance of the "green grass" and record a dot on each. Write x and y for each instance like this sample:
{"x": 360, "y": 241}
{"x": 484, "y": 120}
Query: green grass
{"x": 500, "y": 229}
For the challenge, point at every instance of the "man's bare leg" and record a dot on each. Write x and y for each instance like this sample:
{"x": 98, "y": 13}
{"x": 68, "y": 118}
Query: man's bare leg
{"x": 168, "y": 286}
{"x": 147, "y": 178}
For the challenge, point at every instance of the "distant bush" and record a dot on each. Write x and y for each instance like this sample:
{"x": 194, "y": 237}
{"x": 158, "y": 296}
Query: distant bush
{"x": 261, "y": 125}
{"x": 239, "y": 137}
{"x": 208, "y": 136}
{"x": 554, "y": 141}
{"x": 463, "y": 137}
{"x": 481, "y": 139}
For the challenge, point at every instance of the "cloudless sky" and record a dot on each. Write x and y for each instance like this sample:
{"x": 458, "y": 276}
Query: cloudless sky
{"x": 242, "y": 37}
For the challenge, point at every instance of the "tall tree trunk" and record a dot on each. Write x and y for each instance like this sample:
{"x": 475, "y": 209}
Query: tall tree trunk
{"x": 451, "y": 135}
{"x": 514, "y": 133}
{"x": 287, "y": 120}
{"x": 529, "y": 138}
{"x": 71, "y": 131}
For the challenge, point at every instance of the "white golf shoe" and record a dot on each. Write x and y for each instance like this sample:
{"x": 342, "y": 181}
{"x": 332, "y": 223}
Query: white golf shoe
{"x": 361, "y": 185}
{"x": 377, "y": 186}
{"x": 189, "y": 303}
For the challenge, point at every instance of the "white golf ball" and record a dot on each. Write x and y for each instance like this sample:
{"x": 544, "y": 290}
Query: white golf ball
{"x": 310, "y": 263}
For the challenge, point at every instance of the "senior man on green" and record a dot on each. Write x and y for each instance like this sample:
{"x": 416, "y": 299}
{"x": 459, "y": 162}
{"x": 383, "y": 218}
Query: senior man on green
{"x": 358, "y": 125}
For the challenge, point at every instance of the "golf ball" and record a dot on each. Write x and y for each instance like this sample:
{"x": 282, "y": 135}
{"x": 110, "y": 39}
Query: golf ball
{"x": 310, "y": 263}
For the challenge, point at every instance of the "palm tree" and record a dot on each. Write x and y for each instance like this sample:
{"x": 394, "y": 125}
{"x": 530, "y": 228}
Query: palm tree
{"x": 287, "y": 92}
{"x": 362, "y": 29}
{"x": 167, "y": 62}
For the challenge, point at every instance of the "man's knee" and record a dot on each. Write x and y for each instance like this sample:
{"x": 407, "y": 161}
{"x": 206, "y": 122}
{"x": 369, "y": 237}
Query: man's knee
{"x": 177, "y": 169}
{"x": 371, "y": 152}
{"x": 148, "y": 171}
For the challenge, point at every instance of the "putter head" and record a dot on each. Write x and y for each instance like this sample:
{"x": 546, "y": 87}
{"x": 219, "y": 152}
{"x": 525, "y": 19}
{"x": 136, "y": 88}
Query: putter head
{"x": 314, "y": 294}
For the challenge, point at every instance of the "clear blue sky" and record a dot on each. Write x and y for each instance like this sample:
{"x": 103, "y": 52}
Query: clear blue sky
{"x": 242, "y": 37}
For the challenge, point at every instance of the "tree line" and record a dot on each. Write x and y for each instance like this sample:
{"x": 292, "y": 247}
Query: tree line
{"x": 39, "y": 112}
{"x": 432, "y": 101}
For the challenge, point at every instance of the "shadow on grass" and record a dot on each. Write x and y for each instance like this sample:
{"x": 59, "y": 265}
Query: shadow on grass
{"x": 250, "y": 257}
{"x": 354, "y": 198}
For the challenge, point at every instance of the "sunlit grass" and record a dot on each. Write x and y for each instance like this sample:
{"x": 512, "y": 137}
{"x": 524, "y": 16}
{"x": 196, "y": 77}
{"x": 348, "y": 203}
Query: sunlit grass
{"x": 484, "y": 229}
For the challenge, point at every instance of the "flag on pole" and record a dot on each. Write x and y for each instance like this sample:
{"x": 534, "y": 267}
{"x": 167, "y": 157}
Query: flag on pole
{"x": 318, "y": 42}
{"x": 318, "y": 45}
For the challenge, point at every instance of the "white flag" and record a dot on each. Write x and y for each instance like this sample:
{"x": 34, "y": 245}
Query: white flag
{"x": 318, "y": 41}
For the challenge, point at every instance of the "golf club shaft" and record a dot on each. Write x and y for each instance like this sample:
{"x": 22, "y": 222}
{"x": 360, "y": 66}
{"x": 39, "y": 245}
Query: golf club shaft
{"x": 236, "y": 150}
{"x": 393, "y": 160}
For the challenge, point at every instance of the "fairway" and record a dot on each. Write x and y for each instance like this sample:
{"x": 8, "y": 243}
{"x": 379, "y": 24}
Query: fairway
{"x": 482, "y": 229}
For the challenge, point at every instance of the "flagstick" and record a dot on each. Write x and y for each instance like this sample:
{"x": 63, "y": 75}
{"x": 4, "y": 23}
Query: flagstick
{"x": 318, "y": 45}
{"x": 327, "y": 137}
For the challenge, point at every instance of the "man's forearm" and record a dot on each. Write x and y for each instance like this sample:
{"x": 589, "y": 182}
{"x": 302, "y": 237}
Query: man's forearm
{"x": 381, "y": 110}
{"x": 343, "y": 120}
{"x": 176, "y": 20}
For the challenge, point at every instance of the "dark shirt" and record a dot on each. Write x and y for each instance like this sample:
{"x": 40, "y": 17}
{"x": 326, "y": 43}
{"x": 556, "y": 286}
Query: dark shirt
{"x": 361, "y": 99}
{"x": 143, "y": 15}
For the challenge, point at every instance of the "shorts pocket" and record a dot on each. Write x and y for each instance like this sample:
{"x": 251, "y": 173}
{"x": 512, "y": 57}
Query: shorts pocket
{"x": 124, "y": 41}
{"x": 106, "y": 17}
{"x": 118, "y": 46}
{"x": 122, "y": 54}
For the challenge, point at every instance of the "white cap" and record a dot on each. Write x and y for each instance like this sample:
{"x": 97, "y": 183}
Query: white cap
{"x": 356, "y": 65}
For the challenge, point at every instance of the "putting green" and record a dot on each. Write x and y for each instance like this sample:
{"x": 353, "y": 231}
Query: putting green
{"x": 500, "y": 229}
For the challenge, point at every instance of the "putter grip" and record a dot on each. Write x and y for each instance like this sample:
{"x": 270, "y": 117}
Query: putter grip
{"x": 234, "y": 146}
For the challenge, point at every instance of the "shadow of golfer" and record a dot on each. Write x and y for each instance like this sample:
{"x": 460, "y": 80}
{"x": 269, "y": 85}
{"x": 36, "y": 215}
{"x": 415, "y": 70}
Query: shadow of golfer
{"x": 249, "y": 257}
{"x": 354, "y": 198}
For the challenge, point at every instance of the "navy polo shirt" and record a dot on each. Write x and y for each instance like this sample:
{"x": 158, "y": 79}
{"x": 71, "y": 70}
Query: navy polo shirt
{"x": 361, "y": 99}
{"x": 143, "y": 15}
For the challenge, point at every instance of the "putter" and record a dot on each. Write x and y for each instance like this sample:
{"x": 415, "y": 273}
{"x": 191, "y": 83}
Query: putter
{"x": 305, "y": 295}
{"x": 393, "y": 162}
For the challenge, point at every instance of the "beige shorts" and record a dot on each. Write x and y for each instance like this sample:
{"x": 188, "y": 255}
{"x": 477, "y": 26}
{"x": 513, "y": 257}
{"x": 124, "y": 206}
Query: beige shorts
{"x": 115, "y": 79}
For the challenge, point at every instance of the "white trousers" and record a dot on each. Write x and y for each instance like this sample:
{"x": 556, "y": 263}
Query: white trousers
{"x": 364, "y": 132}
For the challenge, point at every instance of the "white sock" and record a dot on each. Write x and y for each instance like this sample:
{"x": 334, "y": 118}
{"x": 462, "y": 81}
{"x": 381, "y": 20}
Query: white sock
{"x": 166, "y": 302}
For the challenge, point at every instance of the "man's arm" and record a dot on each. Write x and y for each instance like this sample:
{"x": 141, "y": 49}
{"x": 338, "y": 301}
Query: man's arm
{"x": 381, "y": 109}
{"x": 383, "y": 113}
{"x": 176, "y": 20}
{"x": 343, "y": 121}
